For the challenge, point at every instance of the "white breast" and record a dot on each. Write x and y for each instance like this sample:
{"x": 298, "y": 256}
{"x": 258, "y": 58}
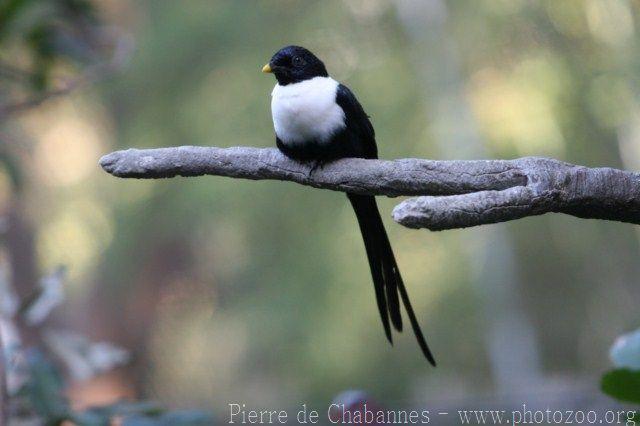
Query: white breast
{"x": 306, "y": 111}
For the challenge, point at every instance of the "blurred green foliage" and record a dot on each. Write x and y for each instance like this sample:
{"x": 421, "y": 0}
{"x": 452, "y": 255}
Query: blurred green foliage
{"x": 283, "y": 266}
{"x": 44, "y": 391}
{"x": 259, "y": 291}
{"x": 47, "y": 31}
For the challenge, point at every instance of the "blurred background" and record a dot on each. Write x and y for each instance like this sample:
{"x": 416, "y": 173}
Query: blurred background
{"x": 213, "y": 290}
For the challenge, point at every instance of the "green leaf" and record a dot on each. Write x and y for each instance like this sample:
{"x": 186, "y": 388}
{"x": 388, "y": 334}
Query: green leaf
{"x": 125, "y": 408}
{"x": 87, "y": 418}
{"x": 622, "y": 384}
{"x": 44, "y": 389}
{"x": 174, "y": 418}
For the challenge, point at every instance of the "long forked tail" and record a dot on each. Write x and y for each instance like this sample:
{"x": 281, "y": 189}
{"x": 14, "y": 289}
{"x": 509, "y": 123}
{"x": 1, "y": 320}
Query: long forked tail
{"x": 387, "y": 281}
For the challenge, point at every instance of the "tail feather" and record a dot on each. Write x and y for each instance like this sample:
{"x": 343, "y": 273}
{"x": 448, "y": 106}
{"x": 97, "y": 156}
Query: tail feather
{"x": 389, "y": 268}
{"x": 387, "y": 280}
{"x": 373, "y": 255}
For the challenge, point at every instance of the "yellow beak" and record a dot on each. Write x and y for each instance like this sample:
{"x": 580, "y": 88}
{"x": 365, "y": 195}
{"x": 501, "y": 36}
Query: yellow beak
{"x": 266, "y": 68}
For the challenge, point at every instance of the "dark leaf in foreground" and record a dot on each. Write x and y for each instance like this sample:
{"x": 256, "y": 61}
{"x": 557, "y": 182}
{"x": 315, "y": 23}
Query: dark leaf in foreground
{"x": 44, "y": 390}
{"x": 622, "y": 384}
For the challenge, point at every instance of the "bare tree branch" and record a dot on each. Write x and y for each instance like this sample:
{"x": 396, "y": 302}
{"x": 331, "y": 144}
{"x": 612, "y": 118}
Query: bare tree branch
{"x": 121, "y": 51}
{"x": 455, "y": 194}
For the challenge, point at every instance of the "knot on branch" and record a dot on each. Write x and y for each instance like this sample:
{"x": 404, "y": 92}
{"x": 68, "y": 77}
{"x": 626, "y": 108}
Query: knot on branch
{"x": 550, "y": 186}
{"x": 453, "y": 194}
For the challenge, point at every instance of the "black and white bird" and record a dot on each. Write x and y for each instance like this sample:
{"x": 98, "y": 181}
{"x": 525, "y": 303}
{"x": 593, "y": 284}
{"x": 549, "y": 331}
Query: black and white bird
{"x": 318, "y": 119}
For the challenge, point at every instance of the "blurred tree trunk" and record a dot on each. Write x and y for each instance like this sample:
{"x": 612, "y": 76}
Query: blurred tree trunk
{"x": 20, "y": 246}
{"x": 161, "y": 261}
{"x": 511, "y": 343}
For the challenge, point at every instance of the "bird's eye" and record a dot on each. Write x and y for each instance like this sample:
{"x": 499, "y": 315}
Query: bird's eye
{"x": 297, "y": 61}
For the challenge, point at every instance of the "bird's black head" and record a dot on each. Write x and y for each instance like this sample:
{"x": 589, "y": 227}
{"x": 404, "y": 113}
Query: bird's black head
{"x": 293, "y": 64}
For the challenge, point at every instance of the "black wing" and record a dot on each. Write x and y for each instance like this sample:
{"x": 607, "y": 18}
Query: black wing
{"x": 360, "y": 136}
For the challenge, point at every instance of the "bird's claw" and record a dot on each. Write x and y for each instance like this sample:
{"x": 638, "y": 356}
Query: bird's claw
{"x": 316, "y": 164}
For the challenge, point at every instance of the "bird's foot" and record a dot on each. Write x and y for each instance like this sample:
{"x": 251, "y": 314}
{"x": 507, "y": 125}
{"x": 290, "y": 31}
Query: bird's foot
{"x": 316, "y": 164}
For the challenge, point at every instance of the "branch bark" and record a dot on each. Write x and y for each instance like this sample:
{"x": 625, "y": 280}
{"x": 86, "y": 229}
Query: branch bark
{"x": 453, "y": 194}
